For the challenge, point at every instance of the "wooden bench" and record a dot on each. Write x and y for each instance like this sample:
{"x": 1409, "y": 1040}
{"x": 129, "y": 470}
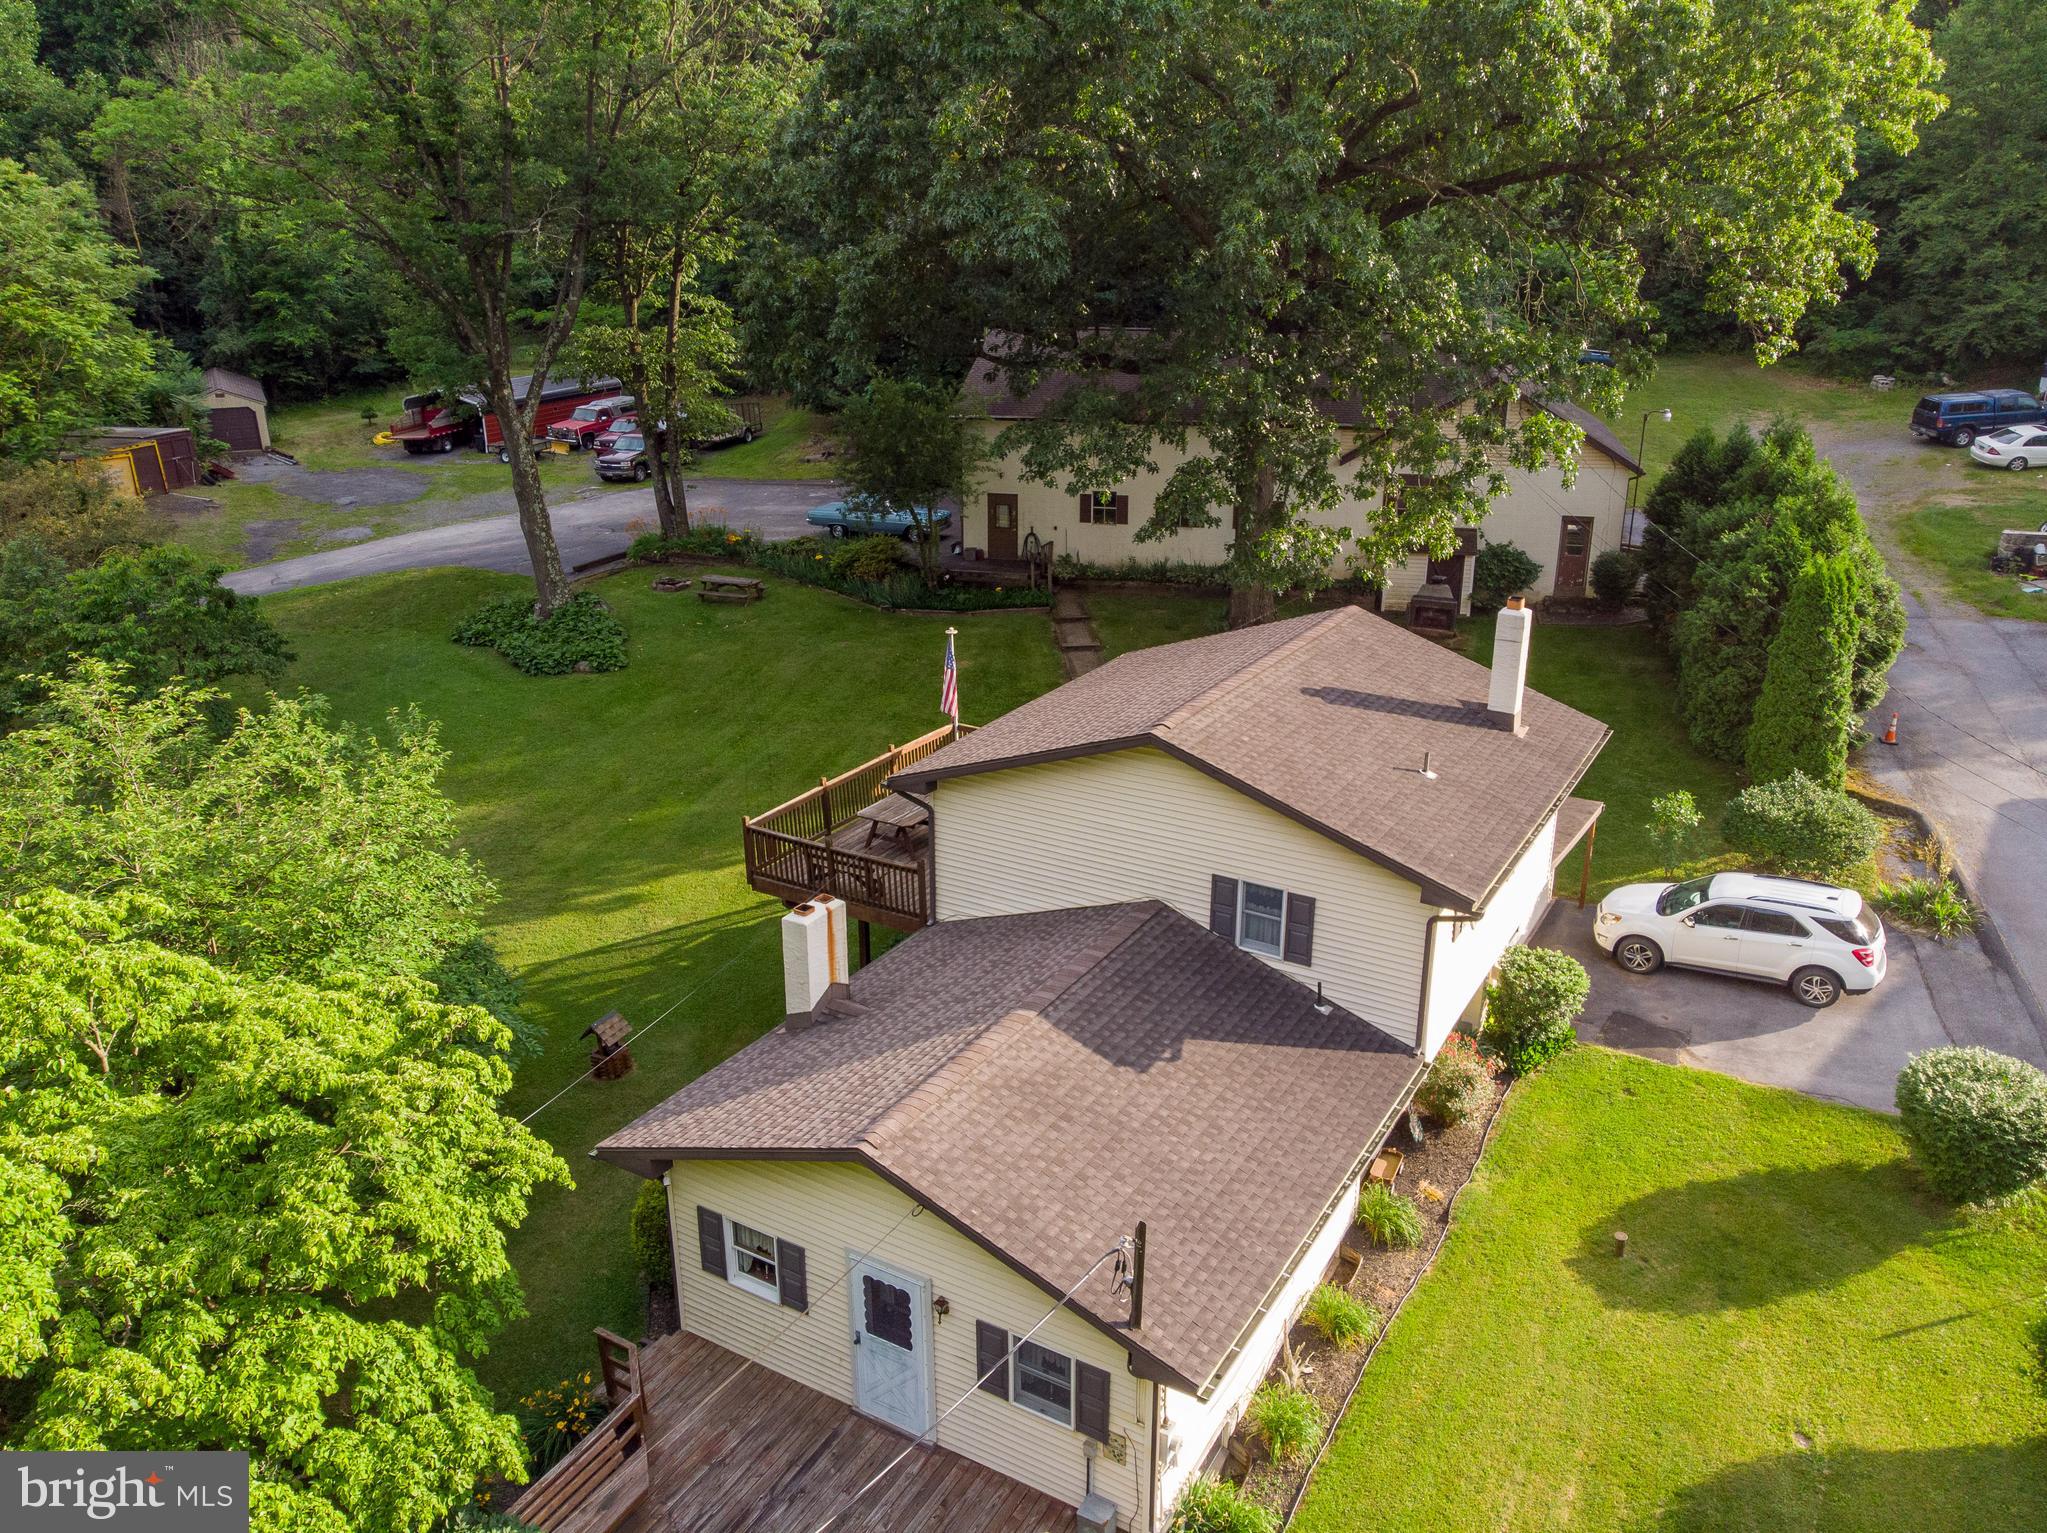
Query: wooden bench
{"x": 730, "y": 588}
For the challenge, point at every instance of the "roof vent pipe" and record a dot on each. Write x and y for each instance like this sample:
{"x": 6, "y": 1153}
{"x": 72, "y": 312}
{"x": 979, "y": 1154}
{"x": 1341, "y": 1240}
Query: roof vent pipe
{"x": 1510, "y": 666}
{"x": 1428, "y": 771}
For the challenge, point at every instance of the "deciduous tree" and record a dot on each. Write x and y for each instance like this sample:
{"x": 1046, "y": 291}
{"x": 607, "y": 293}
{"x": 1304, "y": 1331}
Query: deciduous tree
{"x": 70, "y": 355}
{"x": 289, "y": 847}
{"x": 253, "y": 1214}
{"x": 159, "y": 612}
{"x": 463, "y": 143}
{"x": 907, "y": 449}
{"x": 693, "y": 147}
{"x": 1244, "y": 227}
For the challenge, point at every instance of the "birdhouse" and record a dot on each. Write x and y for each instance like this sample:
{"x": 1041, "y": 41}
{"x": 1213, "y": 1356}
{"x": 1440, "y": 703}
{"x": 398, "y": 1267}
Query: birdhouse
{"x": 610, "y": 1060}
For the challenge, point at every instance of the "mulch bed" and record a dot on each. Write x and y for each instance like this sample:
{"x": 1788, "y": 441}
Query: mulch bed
{"x": 1442, "y": 1163}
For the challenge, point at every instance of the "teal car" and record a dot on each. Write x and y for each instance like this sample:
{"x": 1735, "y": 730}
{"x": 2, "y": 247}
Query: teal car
{"x": 843, "y": 519}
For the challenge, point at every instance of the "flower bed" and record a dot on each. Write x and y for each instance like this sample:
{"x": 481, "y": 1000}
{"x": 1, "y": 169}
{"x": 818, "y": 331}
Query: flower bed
{"x": 811, "y": 561}
{"x": 1383, "y": 1279}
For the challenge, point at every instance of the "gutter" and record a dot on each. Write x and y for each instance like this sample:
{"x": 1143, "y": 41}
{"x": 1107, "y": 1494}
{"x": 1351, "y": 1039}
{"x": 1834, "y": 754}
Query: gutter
{"x": 1374, "y": 1143}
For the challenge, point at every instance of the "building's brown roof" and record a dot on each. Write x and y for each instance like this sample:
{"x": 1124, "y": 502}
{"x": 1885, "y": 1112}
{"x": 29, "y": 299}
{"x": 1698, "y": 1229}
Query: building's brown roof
{"x": 1325, "y": 718}
{"x": 1045, "y": 1081}
{"x": 225, "y": 380}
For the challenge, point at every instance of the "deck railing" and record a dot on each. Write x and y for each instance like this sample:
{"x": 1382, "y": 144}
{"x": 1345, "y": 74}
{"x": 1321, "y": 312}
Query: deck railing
{"x": 789, "y": 849}
{"x": 558, "y": 1495}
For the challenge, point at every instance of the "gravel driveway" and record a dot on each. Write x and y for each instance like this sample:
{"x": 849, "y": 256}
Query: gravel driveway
{"x": 585, "y": 530}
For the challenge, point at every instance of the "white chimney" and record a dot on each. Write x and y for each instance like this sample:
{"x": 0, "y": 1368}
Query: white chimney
{"x": 1510, "y": 666}
{"x": 813, "y": 955}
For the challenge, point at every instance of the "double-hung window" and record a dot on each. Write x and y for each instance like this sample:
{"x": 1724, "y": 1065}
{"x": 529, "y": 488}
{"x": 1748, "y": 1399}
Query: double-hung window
{"x": 1044, "y": 1382}
{"x": 1261, "y": 919}
{"x": 754, "y": 1264}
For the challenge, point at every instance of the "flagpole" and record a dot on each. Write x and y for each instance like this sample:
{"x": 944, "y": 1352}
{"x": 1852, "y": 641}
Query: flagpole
{"x": 952, "y": 673}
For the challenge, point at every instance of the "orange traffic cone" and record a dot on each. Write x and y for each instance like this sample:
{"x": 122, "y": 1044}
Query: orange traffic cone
{"x": 1891, "y": 734}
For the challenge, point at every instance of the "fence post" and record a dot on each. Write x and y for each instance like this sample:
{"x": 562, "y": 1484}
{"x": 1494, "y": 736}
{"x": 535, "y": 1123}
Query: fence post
{"x": 824, "y": 794}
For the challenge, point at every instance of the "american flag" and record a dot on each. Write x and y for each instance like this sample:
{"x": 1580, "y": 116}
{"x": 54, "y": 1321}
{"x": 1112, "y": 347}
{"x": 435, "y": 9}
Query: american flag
{"x": 949, "y": 693}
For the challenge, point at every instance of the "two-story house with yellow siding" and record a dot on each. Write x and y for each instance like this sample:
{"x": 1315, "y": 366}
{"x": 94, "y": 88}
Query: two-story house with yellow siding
{"x": 1562, "y": 526}
{"x": 999, "y": 1232}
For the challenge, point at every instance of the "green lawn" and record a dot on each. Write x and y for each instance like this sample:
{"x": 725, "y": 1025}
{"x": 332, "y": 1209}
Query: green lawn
{"x": 1800, "y": 1340}
{"x": 1127, "y": 620}
{"x": 1721, "y": 389}
{"x": 1954, "y": 536}
{"x": 607, "y": 808}
{"x": 1622, "y": 678}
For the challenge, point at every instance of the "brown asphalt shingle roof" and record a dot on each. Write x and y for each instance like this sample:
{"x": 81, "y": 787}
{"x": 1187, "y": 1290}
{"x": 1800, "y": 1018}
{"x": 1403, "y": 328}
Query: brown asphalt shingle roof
{"x": 1045, "y": 1081}
{"x": 1325, "y": 718}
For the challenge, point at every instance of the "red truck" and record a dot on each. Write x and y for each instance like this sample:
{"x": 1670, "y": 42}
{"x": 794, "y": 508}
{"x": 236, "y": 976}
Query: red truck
{"x": 430, "y": 425}
{"x": 581, "y": 427}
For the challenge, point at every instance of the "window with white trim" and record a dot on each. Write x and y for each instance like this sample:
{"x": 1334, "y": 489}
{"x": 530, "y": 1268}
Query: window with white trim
{"x": 1042, "y": 1381}
{"x": 1261, "y": 919}
{"x": 750, "y": 1260}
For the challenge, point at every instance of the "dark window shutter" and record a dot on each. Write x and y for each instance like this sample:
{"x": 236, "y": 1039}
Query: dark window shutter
{"x": 1087, "y": 508}
{"x": 991, "y": 1358}
{"x": 711, "y": 1241}
{"x": 1300, "y": 929}
{"x": 1122, "y": 510}
{"x": 792, "y": 1275}
{"x": 1222, "y": 907}
{"x": 1091, "y": 1401}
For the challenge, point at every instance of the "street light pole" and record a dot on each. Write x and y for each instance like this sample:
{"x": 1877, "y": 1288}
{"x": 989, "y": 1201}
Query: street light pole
{"x": 1642, "y": 442}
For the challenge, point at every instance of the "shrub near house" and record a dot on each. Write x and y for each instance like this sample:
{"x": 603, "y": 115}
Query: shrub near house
{"x": 1976, "y": 1121}
{"x": 1531, "y": 1007}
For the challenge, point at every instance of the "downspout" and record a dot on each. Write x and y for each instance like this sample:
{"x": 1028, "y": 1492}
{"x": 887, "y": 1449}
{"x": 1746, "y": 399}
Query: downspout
{"x": 1158, "y": 1431}
{"x": 1421, "y": 1006}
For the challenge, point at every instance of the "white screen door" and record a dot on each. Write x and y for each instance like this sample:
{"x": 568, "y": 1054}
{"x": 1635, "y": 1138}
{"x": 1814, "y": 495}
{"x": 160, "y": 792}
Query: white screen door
{"x": 891, "y": 1346}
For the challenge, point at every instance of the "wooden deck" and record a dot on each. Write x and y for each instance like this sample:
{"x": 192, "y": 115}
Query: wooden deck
{"x": 816, "y": 843}
{"x": 767, "y": 1455}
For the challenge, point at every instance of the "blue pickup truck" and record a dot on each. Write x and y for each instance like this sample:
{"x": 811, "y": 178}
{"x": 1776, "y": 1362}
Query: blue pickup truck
{"x": 1958, "y": 419}
{"x": 842, "y": 519}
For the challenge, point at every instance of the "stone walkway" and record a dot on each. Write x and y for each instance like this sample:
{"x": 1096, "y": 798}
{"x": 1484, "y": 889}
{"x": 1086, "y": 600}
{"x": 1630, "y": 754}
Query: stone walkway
{"x": 1080, "y": 649}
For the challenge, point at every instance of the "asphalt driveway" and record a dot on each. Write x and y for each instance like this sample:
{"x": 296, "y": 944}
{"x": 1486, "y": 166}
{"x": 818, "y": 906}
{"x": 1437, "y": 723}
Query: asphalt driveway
{"x": 1934, "y": 994}
{"x": 586, "y": 530}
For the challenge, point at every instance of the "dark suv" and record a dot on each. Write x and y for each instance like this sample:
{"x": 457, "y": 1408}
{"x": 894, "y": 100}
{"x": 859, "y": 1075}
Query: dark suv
{"x": 1959, "y": 419}
{"x": 626, "y": 458}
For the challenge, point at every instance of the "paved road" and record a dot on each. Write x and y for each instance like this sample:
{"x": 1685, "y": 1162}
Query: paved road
{"x": 585, "y": 530}
{"x": 1971, "y": 697}
{"x": 1933, "y": 994}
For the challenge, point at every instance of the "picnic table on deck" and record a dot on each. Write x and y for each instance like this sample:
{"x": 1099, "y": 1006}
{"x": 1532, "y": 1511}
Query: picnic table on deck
{"x": 895, "y": 814}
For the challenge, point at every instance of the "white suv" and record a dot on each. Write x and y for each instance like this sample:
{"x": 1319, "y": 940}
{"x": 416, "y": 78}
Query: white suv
{"x": 1813, "y": 937}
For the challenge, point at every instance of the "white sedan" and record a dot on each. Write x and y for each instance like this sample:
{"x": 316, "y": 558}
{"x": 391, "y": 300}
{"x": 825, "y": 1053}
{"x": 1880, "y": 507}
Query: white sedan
{"x": 1814, "y": 938}
{"x": 2015, "y": 447}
